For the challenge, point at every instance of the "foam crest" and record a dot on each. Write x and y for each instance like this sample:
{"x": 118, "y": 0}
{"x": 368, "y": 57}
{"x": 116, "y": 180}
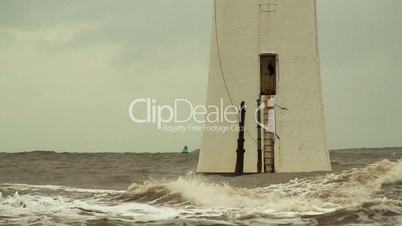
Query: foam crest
{"x": 308, "y": 196}
{"x": 191, "y": 190}
{"x": 370, "y": 194}
{"x": 43, "y": 210}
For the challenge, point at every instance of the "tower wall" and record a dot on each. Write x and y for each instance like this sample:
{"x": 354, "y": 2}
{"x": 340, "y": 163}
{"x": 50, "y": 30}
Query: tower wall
{"x": 243, "y": 31}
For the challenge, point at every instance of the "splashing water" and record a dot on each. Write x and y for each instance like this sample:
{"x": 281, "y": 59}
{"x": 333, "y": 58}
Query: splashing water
{"x": 366, "y": 195}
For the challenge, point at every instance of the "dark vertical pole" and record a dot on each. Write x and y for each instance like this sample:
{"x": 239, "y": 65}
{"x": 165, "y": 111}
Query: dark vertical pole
{"x": 259, "y": 151}
{"x": 240, "y": 142}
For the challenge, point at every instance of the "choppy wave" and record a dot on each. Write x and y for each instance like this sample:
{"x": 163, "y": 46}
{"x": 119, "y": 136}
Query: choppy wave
{"x": 332, "y": 190}
{"x": 358, "y": 196}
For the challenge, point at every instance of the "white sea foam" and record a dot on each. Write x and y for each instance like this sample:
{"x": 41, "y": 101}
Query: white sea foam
{"x": 58, "y": 188}
{"x": 193, "y": 198}
{"x": 321, "y": 194}
{"x": 26, "y": 209}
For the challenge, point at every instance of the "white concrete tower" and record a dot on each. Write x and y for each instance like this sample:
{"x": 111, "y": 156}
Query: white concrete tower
{"x": 266, "y": 49}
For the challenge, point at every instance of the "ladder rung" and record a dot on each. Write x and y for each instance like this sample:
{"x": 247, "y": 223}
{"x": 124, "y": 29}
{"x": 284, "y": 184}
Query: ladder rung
{"x": 268, "y": 155}
{"x": 269, "y": 161}
{"x": 269, "y": 168}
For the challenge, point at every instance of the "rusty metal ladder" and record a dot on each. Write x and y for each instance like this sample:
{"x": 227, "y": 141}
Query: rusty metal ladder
{"x": 269, "y": 143}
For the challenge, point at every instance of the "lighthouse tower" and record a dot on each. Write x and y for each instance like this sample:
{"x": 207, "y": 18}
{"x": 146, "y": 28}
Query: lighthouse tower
{"x": 265, "y": 53}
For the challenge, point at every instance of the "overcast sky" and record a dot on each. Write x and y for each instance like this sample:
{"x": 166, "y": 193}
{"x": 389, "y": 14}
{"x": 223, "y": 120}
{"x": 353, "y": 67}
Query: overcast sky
{"x": 69, "y": 69}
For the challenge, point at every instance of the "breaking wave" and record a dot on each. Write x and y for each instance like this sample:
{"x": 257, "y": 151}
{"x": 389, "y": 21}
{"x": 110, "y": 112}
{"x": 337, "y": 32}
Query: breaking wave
{"x": 356, "y": 195}
{"x": 331, "y": 191}
{"x": 365, "y": 195}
